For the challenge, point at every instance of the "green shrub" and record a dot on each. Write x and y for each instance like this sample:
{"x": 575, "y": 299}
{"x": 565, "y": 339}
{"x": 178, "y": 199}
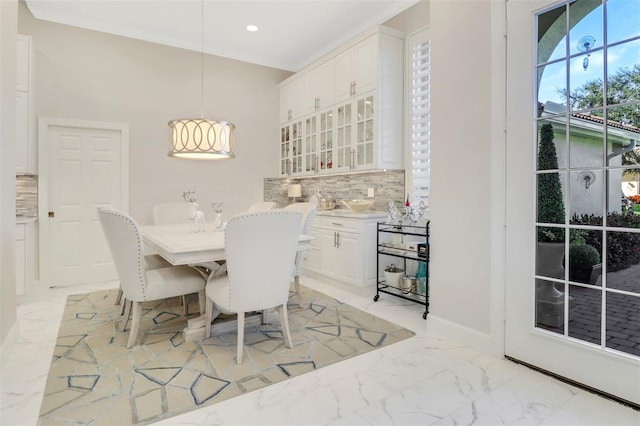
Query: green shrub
{"x": 583, "y": 255}
{"x": 623, "y": 248}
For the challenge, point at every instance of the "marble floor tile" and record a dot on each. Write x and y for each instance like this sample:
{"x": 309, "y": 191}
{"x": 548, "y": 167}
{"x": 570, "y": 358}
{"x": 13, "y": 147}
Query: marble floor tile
{"x": 423, "y": 380}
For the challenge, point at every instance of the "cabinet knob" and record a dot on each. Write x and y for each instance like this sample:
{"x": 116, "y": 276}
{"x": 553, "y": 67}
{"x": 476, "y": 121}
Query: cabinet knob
{"x": 52, "y": 214}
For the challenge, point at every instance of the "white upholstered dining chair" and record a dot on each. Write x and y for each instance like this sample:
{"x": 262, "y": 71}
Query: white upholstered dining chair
{"x": 260, "y": 248}
{"x": 138, "y": 283}
{"x": 262, "y": 206}
{"x": 308, "y": 211}
{"x": 163, "y": 214}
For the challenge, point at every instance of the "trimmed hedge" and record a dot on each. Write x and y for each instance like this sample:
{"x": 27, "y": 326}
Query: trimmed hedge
{"x": 623, "y": 248}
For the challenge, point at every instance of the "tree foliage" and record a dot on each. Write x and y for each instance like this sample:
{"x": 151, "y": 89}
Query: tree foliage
{"x": 622, "y": 87}
{"x": 550, "y": 202}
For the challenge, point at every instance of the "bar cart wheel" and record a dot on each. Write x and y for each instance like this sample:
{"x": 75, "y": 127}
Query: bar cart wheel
{"x": 376, "y": 297}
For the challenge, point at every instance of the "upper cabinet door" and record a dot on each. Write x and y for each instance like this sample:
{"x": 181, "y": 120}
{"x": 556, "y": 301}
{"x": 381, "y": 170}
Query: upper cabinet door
{"x": 357, "y": 69}
{"x": 366, "y": 65}
{"x": 291, "y": 100}
{"x": 319, "y": 87}
{"x": 23, "y": 54}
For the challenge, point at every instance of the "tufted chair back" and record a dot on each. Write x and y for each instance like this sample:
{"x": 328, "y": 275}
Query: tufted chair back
{"x": 125, "y": 242}
{"x": 260, "y": 249}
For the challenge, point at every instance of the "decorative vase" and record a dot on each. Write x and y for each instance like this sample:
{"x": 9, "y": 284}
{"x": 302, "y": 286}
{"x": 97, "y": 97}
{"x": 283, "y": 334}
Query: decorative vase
{"x": 549, "y": 259}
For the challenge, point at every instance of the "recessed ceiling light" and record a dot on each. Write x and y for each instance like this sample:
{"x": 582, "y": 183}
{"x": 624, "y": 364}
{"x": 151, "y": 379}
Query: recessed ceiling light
{"x": 252, "y": 28}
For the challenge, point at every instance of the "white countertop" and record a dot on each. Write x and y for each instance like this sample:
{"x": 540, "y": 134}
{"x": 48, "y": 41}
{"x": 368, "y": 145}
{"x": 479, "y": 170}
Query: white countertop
{"x": 349, "y": 213}
{"x": 25, "y": 219}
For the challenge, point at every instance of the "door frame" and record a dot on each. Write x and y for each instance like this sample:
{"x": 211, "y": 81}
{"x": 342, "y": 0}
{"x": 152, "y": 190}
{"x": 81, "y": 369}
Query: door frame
{"x": 44, "y": 125}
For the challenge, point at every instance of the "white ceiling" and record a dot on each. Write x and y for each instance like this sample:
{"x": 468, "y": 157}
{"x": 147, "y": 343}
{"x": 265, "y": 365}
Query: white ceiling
{"x": 292, "y": 33}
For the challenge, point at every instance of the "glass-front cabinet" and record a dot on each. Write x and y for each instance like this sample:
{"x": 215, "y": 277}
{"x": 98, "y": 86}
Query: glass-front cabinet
{"x": 311, "y": 144}
{"x": 326, "y": 140}
{"x": 365, "y": 142}
{"x": 352, "y": 134}
{"x": 343, "y": 136}
{"x": 291, "y": 148}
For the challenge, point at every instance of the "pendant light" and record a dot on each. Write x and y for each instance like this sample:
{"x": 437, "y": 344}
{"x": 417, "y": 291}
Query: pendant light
{"x": 201, "y": 138}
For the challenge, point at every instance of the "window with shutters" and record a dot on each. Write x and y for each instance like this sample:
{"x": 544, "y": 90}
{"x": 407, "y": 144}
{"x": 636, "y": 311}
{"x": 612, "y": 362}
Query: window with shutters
{"x": 419, "y": 113}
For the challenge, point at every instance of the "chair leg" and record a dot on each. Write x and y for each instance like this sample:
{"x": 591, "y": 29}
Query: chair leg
{"x": 208, "y": 317}
{"x": 296, "y": 282}
{"x": 135, "y": 323}
{"x": 240, "y": 337}
{"x": 284, "y": 323}
{"x": 123, "y": 304}
{"x": 119, "y": 296}
{"x": 202, "y": 301}
{"x": 185, "y": 304}
{"x": 127, "y": 310}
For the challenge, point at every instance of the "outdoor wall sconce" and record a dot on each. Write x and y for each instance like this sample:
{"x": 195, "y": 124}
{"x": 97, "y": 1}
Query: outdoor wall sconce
{"x": 587, "y": 177}
{"x": 584, "y": 45}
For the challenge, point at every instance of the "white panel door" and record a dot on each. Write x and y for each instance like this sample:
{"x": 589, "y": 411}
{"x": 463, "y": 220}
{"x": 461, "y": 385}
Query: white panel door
{"x": 85, "y": 171}
{"x": 561, "y": 353}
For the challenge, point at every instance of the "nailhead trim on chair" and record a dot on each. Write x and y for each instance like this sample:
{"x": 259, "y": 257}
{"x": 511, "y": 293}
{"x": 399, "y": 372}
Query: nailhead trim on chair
{"x": 141, "y": 272}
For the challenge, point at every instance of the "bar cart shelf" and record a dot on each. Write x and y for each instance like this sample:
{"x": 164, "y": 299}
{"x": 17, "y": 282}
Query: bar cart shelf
{"x": 390, "y": 241}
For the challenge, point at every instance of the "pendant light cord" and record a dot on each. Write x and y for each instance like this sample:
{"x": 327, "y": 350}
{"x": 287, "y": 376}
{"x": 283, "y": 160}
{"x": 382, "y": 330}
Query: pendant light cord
{"x": 202, "y": 64}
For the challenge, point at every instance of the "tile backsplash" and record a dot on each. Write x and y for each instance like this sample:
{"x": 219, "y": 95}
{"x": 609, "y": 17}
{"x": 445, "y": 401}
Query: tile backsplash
{"x": 387, "y": 185}
{"x": 26, "y": 195}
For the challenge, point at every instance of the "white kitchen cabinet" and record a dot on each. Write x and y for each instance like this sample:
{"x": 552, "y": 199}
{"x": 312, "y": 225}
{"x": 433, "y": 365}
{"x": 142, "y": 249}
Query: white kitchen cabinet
{"x": 340, "y": 258}
{"x": 363, "y": 128}
{"x": 356, "y": 68}
{"x": 25, "y": 257}
{"x": 319, "y": 87}
{"x": 291, "y": 100}
{"x": 344, "y": 247}
{"x": 291, "y": 148}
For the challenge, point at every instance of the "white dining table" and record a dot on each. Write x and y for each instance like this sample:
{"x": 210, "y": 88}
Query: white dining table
{"x": 180, "y": 244}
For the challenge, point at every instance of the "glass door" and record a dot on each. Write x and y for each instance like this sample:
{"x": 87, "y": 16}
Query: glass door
{"x": 573, "y": 236}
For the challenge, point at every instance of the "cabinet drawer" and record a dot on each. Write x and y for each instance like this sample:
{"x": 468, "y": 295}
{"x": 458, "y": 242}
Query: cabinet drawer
{"x": 341, "y": 224}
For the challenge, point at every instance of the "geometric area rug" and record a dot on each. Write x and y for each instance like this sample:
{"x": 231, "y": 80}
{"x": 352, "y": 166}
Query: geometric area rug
{"x": 95, "y": 380}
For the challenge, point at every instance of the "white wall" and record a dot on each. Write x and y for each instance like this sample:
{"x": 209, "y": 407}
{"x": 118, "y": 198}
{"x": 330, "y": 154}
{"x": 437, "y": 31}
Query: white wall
{"x": 467, "y": 175}
{"x": 88, "y": 75}
{"x": 8, "y": 25}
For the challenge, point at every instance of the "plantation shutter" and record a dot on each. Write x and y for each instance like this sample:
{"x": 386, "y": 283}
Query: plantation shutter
{"x": 420, "y": 170}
